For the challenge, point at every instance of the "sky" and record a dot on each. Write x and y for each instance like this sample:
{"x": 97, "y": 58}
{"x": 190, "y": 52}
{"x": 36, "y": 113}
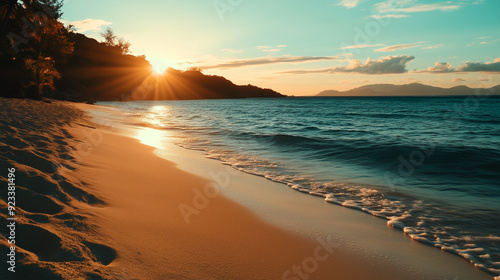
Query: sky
{"x": 300, "y": 47}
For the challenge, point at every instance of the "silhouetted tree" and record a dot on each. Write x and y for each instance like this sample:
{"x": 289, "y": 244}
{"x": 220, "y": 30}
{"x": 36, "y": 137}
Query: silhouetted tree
{"x": 54, "y": 6}
{"x": 42, "y": 74}
{"x": 110, "y": 39}
{"x": 195, "y": 69}
{"x": 33, "y": 42}
{"x": 14, "y": 10}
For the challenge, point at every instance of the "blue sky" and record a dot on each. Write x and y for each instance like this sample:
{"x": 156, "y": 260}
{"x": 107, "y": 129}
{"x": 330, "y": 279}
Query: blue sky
{"x": 303, "y": 47}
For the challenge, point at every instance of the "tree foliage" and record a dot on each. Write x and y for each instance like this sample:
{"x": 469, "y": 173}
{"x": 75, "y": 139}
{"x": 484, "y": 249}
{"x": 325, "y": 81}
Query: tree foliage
{"x": 16, "y": 12}
{"x": 112, "y": 40}
{"x": 195, "y": 69}
{"x": 33, "y": 43}
{"x": 42, "y": 74}
{"x": 54, "y": 6}
{"x": 109, "y": 36}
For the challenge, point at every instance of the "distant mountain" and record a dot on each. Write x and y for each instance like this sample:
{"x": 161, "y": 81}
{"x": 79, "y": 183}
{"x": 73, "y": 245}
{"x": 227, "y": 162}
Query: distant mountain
{"x": 414, "y": 89}
{"x": 329, "y": 93}
{"x": 192, "y": 84}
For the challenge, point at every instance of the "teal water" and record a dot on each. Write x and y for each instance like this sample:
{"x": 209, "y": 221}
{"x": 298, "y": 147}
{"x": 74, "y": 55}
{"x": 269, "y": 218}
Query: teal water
{"x": 430, "y": 166}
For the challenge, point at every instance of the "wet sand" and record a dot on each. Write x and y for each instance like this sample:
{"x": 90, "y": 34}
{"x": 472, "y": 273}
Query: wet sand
{"x": 94, "y": 204}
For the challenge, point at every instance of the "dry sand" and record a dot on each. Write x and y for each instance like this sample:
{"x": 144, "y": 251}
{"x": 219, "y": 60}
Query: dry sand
{"x": 222, "y": 241}
{"x": 53, "y": 236}
{"x": 109, "y": 209}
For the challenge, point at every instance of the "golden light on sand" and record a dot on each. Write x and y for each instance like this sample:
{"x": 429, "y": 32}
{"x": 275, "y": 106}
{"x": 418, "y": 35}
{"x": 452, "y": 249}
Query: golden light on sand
{"x": 151, "y": 137}
{"x": 155, "y": 117}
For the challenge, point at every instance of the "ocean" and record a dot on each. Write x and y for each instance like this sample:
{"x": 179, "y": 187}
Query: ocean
{"x": 430, "y": 166}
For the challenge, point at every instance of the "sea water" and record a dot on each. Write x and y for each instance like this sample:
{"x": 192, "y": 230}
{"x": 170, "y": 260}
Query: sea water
{"x": 430, "y": 166}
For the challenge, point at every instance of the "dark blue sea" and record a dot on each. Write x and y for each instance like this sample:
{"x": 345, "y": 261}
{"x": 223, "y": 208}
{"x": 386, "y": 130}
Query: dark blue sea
{"x": 430, "y": 166}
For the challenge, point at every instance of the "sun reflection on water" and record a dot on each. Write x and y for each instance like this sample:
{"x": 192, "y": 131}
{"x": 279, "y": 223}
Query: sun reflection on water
{"x": 156, "y": 117}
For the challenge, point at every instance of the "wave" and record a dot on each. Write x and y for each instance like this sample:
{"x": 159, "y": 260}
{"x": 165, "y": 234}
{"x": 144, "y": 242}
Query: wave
{"x": 433, "y": 177}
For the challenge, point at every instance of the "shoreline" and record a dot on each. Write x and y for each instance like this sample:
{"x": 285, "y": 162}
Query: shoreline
{"x": 258, "y": 194}
{"x": 365, "y": 238}
{"x": 255, "y": 249}
{"x": 115, "y": 214}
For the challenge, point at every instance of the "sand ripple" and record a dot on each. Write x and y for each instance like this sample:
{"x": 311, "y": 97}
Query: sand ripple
{"x": 53, "y": 236}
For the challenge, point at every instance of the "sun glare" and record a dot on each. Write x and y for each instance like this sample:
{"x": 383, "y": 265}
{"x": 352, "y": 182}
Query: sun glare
{"x": 155, "y": 135}
{"x": 159, "y": 69}
{"x": 151, "y": 137}
{"x": 157, "y": 115}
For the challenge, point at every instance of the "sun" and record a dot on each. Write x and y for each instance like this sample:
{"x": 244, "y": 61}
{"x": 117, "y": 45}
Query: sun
{"x": 159, "y": 70}
{"x": 159, "y": 64}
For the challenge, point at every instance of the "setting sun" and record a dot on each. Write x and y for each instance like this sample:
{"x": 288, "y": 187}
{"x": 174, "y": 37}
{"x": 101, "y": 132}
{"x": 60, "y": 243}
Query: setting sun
{"x": 159, "y": 69}
{"x": 231, "y": 139}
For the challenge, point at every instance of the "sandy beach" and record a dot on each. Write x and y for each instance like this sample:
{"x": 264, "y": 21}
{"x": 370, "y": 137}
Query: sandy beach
{"x": 94, "y": 204}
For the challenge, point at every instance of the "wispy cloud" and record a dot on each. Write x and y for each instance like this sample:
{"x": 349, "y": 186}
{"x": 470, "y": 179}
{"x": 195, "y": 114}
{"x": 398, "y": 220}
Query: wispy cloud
{"x": 473, "y": 2}
{"x": 458, "y": 80}
{"x": 361, "y": 46}
{"x": 396, "y": 47}
{"x": 410, "y": 6}
{"x": 401, "y": 8}
{"x": 190, "y": 62}
{"x": 388, "y": 16}
{"x": 231, "y": 51}
{"x": 349, "y": 3}
{"x": 94, "y": 25}
{"x": 386, "y": 65}
{"x": 444, "y": 67}
{"x": 391, "y": 5}
{"x": 427, "y": 8}
{"x": 486, "y": 40}
{"x": 433, "y": 47}
{"x": 268, "y": 60}
{"x": 271, "y": 49}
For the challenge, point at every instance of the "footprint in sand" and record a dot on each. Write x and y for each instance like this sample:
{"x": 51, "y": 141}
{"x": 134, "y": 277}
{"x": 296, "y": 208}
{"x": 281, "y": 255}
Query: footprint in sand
{"x": 102, "y": 253}
{"x": 80, "y": 194}
{"x": 32, "y": 202}
{"x": 28, "y": 238}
